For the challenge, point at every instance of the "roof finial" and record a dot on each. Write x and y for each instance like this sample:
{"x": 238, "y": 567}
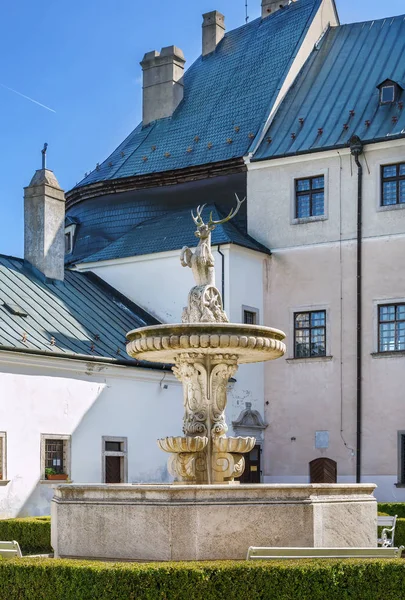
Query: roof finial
{"x": 43, "y": 151}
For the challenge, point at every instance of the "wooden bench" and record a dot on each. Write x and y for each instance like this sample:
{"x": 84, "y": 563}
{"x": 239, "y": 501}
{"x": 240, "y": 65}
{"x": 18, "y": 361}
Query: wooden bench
{"x": 10, "y": 550}
{"x": 386, "y": 540}
{"x": 255, "y": 553}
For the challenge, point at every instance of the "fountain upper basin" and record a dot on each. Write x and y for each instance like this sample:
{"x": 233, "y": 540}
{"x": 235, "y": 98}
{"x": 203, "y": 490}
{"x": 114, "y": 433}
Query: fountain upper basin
{"x": 163, "y": 343}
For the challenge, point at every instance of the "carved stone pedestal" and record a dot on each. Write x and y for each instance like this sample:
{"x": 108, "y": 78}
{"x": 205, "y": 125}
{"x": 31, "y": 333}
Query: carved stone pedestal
{"x": 205, "y": 455}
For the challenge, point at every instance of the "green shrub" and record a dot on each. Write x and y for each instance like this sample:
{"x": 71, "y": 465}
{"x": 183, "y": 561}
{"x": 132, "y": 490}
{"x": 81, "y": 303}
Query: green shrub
{"x": 392, "y": 508}
{"x": 42, "y": 579}
{"x": 33, "y": 534}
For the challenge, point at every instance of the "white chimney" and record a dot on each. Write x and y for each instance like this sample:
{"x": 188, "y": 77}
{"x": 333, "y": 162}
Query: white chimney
{"x": 271, "y": 6}
{"x": 44, "y": 223}
{"x": 213, "y": 30}
{"x": 162, "y": 83}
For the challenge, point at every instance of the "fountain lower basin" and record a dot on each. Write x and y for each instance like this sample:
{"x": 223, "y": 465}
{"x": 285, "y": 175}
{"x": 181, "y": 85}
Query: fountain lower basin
{"x": 208, "y": 522}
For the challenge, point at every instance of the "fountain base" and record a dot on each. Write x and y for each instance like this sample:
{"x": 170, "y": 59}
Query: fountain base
{"x": 191, "y": 522}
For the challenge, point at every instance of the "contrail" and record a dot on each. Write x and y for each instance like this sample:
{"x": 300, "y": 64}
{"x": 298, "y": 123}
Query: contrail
{"x": 27, "y": 97}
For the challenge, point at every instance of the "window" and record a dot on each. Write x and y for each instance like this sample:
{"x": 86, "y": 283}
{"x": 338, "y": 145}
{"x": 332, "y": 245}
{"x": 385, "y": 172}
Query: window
{"x": 70, "y": 228}
{"x": 401, "y": 457}
{"x": 387, "y": 94}
{"x": 310, "y": 334}
{"x": 250, "y": 315}
{"x": 55, "y": 455}
{"x": 310, "y": 197}
{"x": 3, "y": 469}
{"x": 389, "y": 91}
{"x": 115, "y": 459}
{"x": 391, "y": 327}
{"x": 68, "y": 242}
{"x": 393, "y": 184}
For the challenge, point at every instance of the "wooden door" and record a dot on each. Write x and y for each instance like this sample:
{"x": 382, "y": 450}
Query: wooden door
{"x": 252, "y": 471}
{"x": 323, "y": 470}
{"x": 113, "y": 469}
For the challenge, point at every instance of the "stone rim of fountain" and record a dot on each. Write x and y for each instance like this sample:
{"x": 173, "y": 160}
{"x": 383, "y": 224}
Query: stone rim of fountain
{"x": 164, "y": 343}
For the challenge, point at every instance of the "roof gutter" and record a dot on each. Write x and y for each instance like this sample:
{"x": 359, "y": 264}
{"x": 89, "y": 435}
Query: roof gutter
{"x": 386, "y": 138}
{"x": 85, "y": 358}
{"x": 356, "y": 149}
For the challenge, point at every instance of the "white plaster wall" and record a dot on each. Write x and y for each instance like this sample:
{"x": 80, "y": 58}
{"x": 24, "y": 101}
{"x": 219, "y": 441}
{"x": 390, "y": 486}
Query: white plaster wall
{"x": 245, "y": 276}
{"x": 87, "y": 402}
{"x": 313, "y": 265}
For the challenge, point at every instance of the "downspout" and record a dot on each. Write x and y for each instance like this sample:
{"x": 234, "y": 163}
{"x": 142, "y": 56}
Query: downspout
{"x": 223, "y": 275}
{"x": 356, "y": 148}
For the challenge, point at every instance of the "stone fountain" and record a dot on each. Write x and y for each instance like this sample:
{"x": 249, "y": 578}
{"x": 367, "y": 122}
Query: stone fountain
{"x": 206, "y": 513}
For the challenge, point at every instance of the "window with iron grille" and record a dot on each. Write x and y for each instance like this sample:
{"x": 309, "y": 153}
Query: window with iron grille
{"x": 249, "y": 317}
{"x": 401, "y": 461}
{"x": 310, "y": 334}
{"x": 391, "y": 327}
{"x": 310, "y": 197}
{"x": 54, "y": 455}
{"x": 393, "y": 184}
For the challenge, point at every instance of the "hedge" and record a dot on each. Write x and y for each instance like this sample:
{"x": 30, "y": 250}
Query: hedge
{"x": 41, "y": 579}
{"x": 392, "y": 508}
{"x": 33, "y": 534}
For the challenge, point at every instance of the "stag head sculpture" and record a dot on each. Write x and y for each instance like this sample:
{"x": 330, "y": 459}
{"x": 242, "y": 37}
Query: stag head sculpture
{"x": 202, "y": 261}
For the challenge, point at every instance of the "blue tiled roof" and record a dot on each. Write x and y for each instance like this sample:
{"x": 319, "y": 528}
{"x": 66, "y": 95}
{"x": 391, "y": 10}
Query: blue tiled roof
{"x": 103, "y": 220}
{"x": 233, "y": 87}
{"x": 342, "y": 76}
{"x": 172, "y": 232}
{"x": 79, "y": 317}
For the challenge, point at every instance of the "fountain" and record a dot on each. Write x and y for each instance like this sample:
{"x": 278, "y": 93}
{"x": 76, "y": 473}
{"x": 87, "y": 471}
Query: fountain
{"x": 206, "y": 513}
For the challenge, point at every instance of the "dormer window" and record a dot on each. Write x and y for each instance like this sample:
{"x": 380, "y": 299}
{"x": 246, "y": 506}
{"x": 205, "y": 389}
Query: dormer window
{"x": 389, "y": 91}
{"x": 68, "y": 242}
{"x": 70, "y": 228}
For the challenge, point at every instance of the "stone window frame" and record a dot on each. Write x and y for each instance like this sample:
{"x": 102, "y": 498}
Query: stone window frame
{"x": 251, "y": 309}
{"x": 3, "y": 457}
{"x": 376, "y": 310}
{"x": 394, "y": 160}
{"x": 294, "y": 220}
{"x": 290, "y": 357}
{"x": 123, "y": 453}
{"x": 67, "y": 444}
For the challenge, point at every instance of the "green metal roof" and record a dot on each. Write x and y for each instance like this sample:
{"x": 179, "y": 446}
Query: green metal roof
{"x": 81, "y": 317}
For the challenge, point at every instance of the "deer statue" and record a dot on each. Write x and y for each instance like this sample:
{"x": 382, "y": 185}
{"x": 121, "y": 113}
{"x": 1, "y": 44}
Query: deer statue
{"x": 201, "y": 261}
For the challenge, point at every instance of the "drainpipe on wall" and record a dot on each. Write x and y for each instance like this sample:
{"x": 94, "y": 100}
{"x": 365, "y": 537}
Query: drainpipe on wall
{"x": 356, "y": 149}
{"x": 223, "y": 275}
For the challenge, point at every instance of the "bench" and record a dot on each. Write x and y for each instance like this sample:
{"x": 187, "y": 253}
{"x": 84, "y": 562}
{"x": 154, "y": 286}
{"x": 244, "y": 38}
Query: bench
{"x": 279, "y": 553}
{"x": 387, "y": 534}
{"x": 10, "y": 550}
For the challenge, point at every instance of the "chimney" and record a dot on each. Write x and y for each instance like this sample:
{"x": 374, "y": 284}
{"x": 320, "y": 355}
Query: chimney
{"x": 213, "y": 30}
{"x": 271, "y": 6}
{"x": 44, "y": 223}
{"x": 162, "y": 83}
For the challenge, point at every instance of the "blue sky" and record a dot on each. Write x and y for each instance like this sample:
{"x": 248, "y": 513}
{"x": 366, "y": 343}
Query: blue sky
{"x": 81, "y": 59}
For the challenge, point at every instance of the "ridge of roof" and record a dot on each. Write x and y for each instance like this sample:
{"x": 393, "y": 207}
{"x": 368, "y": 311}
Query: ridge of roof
{"x": 176, "y": 229}
{"x": 223, "y": 110}
{"x": 335, "y": 94}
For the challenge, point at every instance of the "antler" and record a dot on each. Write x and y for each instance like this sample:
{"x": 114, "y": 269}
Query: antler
{"x": 234, "y": 211}
{"x": 198, "y": 219}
